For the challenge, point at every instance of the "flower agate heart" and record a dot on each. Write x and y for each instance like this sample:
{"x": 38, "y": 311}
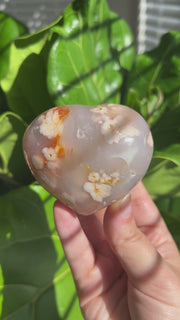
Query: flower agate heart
{"x": 88, "y": 157}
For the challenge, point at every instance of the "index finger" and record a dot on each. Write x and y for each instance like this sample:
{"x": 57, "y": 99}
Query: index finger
{"x": 77, "y": 248}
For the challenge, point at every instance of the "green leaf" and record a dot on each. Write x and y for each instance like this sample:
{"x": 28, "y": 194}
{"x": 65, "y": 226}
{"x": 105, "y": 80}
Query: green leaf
{"x": 3, "y": 102}
{"x": 163, "y": 179}
{"x": 154, "y": 82}
{"x": 166, "y": 134}
{"x": 35, "y": 279}
{"x": 171, "y": 153}
{"x": 10, "y": 29}
{"x": 153, "y": 90}
{"x": 28, "y": 95}
{"x": 13, "y": 168}
{"x": 86, "y": 63}
{"x": 25, "y": 83}
{"x": 167, "y": 129}
{"x": 169, "y": 208}
{"x": 87, "y": 51}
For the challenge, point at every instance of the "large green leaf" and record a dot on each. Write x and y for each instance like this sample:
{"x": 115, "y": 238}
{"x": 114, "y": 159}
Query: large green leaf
{"x": 154, "y": 82}
{"x": 87, "y": 62}
{"x": 90, "y": 48}
{"x": 35, "y": 279}
{"x": 10, "y": 29}
{"x": 25, "y": 83}
{"x": 13, "y": 169}
{"x": 28, "y": 95}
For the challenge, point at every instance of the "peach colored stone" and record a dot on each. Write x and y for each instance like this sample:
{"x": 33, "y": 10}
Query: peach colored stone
{"x": 88, "y": 157}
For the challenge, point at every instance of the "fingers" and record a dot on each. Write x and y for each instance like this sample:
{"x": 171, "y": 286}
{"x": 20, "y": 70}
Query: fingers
{"x": 93, "y": 229}
{"x": 140, "y": 240}
{"x": 77, "y": 247}
{"x": 144, "y": 209}
{"x": 150, "y": 222}
{"x": 135, "y": 252}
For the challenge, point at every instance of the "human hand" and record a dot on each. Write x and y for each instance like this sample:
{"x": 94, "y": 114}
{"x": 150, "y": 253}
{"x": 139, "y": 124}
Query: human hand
{"x": 124, "y": 261}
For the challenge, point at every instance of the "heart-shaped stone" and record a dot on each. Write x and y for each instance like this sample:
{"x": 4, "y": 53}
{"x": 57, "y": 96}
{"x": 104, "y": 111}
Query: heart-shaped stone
{"x": 88, "y": 157}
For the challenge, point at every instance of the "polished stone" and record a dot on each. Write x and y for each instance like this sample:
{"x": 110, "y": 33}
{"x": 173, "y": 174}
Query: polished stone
{"x": 88, "y": 157}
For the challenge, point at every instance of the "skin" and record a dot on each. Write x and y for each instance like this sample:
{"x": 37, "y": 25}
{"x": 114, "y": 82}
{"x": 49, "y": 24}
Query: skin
{"x": 124, "y": 261}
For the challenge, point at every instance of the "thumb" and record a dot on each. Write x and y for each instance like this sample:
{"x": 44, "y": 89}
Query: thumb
{"x": 135, "y": 252}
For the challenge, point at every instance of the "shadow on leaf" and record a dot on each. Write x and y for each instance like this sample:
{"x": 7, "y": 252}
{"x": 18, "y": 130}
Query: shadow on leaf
{"x": 34, "y": 269}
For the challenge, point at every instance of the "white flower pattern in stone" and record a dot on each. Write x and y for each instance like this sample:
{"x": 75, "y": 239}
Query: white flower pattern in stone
{"x": 50, "y": 124}
{"x": 98, "y": 191}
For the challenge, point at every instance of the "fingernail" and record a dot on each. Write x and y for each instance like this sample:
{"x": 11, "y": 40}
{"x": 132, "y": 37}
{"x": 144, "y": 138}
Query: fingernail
{"x": 122, "y": 207}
